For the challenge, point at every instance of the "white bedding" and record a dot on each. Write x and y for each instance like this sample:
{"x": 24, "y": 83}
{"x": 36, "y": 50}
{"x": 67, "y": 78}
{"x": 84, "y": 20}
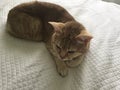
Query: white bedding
{"x": 27, "y": 65}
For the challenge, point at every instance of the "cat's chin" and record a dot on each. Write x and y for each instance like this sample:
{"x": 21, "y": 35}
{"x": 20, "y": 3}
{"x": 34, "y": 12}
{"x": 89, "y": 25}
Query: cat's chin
{"x": 65, "y": 60}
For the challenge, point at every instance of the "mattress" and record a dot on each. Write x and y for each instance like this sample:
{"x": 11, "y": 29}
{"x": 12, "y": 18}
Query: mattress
{"x": 27, "y": 65}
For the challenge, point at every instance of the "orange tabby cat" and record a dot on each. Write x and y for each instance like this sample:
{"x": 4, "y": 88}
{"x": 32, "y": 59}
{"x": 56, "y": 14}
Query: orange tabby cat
{"x": 65, "y": 38}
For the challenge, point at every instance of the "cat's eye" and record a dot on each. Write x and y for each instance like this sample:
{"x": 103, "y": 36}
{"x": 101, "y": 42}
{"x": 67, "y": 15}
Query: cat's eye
{"x": 71, "y": 52}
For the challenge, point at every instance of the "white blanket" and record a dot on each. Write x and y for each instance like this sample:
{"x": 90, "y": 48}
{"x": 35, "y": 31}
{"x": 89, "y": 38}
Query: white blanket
{"x": 27, "y": 65}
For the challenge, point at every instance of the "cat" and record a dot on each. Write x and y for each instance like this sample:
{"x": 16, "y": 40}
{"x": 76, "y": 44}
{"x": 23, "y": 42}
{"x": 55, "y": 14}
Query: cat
{"x": 65, "y": 38}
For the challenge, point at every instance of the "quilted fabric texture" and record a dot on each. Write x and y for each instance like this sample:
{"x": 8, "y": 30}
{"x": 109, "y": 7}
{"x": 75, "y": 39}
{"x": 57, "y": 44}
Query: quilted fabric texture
{"x": 27, "y": 65}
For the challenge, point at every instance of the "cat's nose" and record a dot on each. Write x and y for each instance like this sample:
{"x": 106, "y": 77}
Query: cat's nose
{"x": 63, "y": 55}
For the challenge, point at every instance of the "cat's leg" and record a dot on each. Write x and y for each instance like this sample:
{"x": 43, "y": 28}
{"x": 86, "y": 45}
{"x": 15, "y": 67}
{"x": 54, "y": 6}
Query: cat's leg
{"x": 74, "y": 63}
{"x": 24, "y": 26}
{"x": 61, "y": 67}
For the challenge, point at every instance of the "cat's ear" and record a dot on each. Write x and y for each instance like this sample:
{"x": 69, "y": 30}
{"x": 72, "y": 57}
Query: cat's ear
{"x": 84, "y": 37}
{"x": 57, "y": 26}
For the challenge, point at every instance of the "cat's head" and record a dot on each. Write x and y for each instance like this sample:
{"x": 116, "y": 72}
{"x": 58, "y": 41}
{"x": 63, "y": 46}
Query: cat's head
{"x": 70, "y": 40}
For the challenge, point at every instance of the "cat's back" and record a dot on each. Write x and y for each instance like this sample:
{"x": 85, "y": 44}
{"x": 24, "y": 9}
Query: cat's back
{"x": 38, "y": 6}
{"x": 42, "y": 9}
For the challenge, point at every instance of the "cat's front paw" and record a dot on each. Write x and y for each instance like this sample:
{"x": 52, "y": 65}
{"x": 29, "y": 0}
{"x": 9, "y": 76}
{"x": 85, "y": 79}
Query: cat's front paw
{"x": 73, "y": 63}
{"x": 62, "y": 70}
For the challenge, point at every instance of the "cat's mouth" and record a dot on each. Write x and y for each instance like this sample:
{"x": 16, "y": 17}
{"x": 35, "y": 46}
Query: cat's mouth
{"x": 65, "y": 60}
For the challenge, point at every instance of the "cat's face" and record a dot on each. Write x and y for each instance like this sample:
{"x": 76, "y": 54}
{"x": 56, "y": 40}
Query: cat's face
{"x": 70, "y": 40}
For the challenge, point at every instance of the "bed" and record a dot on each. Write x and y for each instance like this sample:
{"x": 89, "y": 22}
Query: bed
{"x": 27, "y": 65}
